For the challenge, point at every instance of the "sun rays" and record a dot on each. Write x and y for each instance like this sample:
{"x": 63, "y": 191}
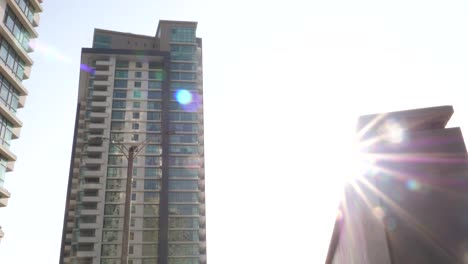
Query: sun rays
{"x": 385, "y": 171}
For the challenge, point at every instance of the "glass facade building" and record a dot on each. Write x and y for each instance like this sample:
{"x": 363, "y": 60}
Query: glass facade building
{"x": 138, "y": 91}
{"x": 17, "y": 27}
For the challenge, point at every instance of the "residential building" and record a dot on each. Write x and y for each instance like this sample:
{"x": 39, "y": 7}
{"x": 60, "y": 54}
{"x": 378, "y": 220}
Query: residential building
{"x": 145, "y": 92}
{"x": 411, "y": 206}
{"x": 20, "y": 19}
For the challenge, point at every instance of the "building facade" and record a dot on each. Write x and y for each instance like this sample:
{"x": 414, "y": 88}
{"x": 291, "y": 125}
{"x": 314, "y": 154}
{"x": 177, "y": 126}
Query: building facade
{"x": 146, "y": 92}
{"x": 19, "y": 21}
{"x": 412, "y": 204}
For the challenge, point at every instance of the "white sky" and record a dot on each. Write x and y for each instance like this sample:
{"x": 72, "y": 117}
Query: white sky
{"x": 284, "y": 82}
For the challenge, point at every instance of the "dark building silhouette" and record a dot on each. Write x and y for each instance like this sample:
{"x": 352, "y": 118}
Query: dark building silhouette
{"x": 412, "y": 205}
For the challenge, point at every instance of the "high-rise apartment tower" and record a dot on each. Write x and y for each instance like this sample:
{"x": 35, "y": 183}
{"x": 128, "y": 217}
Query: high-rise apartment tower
{"x": 142, "y": 92}
{"x": 19, "y": 20}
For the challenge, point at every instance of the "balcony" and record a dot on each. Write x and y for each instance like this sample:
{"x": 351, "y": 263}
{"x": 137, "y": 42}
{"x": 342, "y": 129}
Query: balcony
{"x": 103, "y": 63}
{"x": 4, "y": 195}
{"x": 10, "y": 116}
{"x": 98, "y": 104}
{"x": 93, "y": 161}
{"x": 94, "y": 126}
{"x": 95, "y": 186}
{"x": 101, "y": 83}
{"x": 101, "y": 72}
{"x": 90, "y": 199}
{"x": 8, "y": 74}
{"x": 98, "y": 115}
{"x": 87, "y": 240}
{"x": 37, "y": 5}
{"x": 100, "y": 95}
{"x": 96, "y": 173}
{"x": 18, "y": 48}
{"x": 7, "y": 154}
{"x": 23, "y": 19}
{"x": 92, "y": 149}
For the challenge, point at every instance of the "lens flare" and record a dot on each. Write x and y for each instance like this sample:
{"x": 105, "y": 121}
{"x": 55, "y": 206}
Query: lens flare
{"x": 87, "y": 68}
{"x": 413, "y": 185}
{"x": 48, "y": 51}
{"x": 184, "y": 97}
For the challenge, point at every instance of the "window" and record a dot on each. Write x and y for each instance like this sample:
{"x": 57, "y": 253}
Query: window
{"x": 122, "y": 64}
{"x": 118, "y": 104}
{"x": 183, "y": 209}
{"x": 151, "y": 185}
{"x": 184, "y": 161}
{"x": 11, "y": 59}
{"x": 183, "y": 250}
{"x": 183, "y": 86}
{"x": 87, "y": 219}
{"x": 183, "y": 185}
{"x": 135, "y": 137}
{"x": 136, "y": 94}
{"x": 153, "y": 127}
{"x": 120, "y": 84}
{"x": 16, "y": 28}
{"x": 136, "y": 104}
{"x": 112, "y": 209}
{"x": 183, "y": 149}
{"x": 153, "y": 116}
{"x": 151, "y": 197}
{"x": 118, "y": 114}
{"x": 183, "y": 66}
{"x": 155, "y": 75}
{"x": 152, "y": 172}
{"x": 154, "y": 85}
{"x": 138, "y": 64}
{"x": 136, "y": 115}
{"x": 180, "y": 116}
{"x": 154, "y": 95}
{"x": 27, "y": 8}
{"x": 183, "y": 235}
{"x": 137, "y": 84}
{"x": 6, "y": 131}
{"x": 155, "y": 65}
{"x": 132, "y": 235}
{"x": 110, "y": 236}
{"x": 150, "y": 236}
{"x": 152, "y": 161}
{"x": 120, "y": 94}
{"x": 121, "y": 74}
{"x": 149, "y": 250}
{"x": 138, "y": 74}
{"x": 113, "y": 172}
{"x": 150, "y": 209}
{"x": 185, "y": 222}
{"x": 109, "y": 250}
{"x": 135, "y": 126}
{"x": 183, "y": 34}
{"x": 102, "y": 41}
{"x": 185, "y": 76}
{"x": 133, "y": 196}
{"x": 154, "y": 105}
{"x": 8, "y": 94}
{"x": 117, "y": 125}
{"x": 183, "y": 197}
{"x": 183, "y": 139}
{"x": 130, "y": 249}
{"x": 150, "y": 222}
{"x": 114, "y": 197}
{"x": 189, "y": 173}
{"x": 178, "y": 127}
{"x": 85, "y": 247}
